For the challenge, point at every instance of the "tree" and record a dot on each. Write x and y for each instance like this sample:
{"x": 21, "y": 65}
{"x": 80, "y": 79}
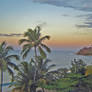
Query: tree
{"x": 62, "y": 72}
{"x": 34, "y": 40}
{"x": 24, "y": 78}
{"x": 78, "y": 66}
{"x": 5, "y": 60}
{"x": 88, "y": 70}
{"x": 44, "y": 69}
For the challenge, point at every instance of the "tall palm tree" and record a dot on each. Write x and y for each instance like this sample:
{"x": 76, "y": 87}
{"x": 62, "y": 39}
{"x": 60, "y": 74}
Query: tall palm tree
{"x": 5, "y": 60}
{"x": 34, "y": 40}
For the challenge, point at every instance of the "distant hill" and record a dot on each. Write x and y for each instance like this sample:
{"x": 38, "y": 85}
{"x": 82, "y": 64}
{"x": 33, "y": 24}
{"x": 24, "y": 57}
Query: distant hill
{"x": 87, "y": 51}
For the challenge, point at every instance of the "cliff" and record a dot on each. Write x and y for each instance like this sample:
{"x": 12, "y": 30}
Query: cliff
{"x": 85, "y": 51}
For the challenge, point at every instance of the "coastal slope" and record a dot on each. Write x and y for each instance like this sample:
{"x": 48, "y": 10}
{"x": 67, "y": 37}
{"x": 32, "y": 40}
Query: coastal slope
{"x": 85, "y": 51}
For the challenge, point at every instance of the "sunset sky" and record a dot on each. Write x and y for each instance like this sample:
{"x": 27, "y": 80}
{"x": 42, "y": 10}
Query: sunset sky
{"x": 68, "y": 22}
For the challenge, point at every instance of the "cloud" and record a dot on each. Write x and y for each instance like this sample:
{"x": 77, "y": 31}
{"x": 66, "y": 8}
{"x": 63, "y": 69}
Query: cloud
{"x": 87, "y": 21}
{"x": 85, "y": 16}
{"x": 10, "y": 35}
{"x": 84, "y": 5}
{"x": 65, "y": 15}
{"x": 84, "y": 26}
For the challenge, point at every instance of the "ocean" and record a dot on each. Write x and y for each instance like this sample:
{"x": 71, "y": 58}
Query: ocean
{"x": 61, "y": 57}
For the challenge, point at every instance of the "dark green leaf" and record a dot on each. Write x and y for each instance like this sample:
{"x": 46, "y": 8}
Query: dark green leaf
{"x": 13, "y": 56}
{"x": 42, "y": 53}
{"x": 23, "y": 41}
{"x": 13, "y": 65}
{"x": 11, "y": 73}
{"x": 47, "y": 48}
{"x": 26, "y": 52}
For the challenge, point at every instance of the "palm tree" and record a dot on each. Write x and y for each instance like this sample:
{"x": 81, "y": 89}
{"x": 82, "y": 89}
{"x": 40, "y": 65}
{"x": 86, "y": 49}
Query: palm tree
{"x": 34, "y": 40}
{"x": 24, "y": 78}
{"x": 5, "y": 60}
{"x": 44, "y": 69}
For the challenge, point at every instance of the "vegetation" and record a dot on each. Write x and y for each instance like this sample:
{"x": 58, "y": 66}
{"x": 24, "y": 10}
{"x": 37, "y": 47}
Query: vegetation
{"x": 88, "y": 70}
{"x": 5, "y": 61}
{"x": 37, "y": 72}
{"x": 78, "y": 66}
{"x": 75, "y": 81}
{"x": 24, "y": 78}
{"x": 34, "y": 40}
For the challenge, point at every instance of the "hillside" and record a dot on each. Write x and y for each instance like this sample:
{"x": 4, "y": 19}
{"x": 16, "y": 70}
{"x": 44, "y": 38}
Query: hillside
{"x": 85, "y": 51}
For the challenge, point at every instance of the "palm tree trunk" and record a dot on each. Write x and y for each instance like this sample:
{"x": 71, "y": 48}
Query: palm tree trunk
{"x": 1, "y": 80}
{"x": 35, "y": 51}
{"x": 35, "y": 63}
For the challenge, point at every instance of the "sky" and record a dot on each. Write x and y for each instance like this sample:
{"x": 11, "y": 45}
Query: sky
{"x": 68, "y": 22}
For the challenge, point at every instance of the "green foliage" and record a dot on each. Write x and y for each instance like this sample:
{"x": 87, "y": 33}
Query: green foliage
{"x": 88, "y": 70}
{"x": 47, "y": 48}
{"x": 42, "y": 53}
{"x": 71, "y": 82}
{"x": 25, "y": 76}
{"x": 3, "y": 64}
{"x": 39, "y": 63}
{"x": 34, "y": 40}
{"x": 78, "y": 66}
{"x": 5, "y": 61}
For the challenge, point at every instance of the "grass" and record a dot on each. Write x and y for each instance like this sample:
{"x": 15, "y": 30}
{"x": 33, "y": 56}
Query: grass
{"x": 64, "y": 84}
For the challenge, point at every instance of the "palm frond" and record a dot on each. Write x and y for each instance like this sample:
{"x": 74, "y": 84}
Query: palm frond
{"x": 13, "y": 65}
{"x": 32, "y": 61}
{"x": 37, "y": 32}
{"x": 30, "y": 34}
{"x": 26, "y": 46}
{"x": 23, "y": 41}
{"x": 3, "y": 44}
{"x": 45, "y": 63}
{"x": 24, "y": 49}
{"x": 11, "y": 73}
{"x": 13, "y": 56}
{"x": 38, "y": 28}
{"x": 47, "y": 48}
{"x": 24, "y": 66}
{"x": 26, "y": 52}
{"x": 51, "y": 66}
{"x": 26, "y": 34}
{"x": 9, "y": 48}
{"x": 22, "y": 75}
{"x": 42, "y": 53}
{"x": 43, "y": 38}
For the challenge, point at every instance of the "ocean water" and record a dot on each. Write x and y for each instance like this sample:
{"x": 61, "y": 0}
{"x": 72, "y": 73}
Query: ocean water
{"x": 62, "y": 58}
